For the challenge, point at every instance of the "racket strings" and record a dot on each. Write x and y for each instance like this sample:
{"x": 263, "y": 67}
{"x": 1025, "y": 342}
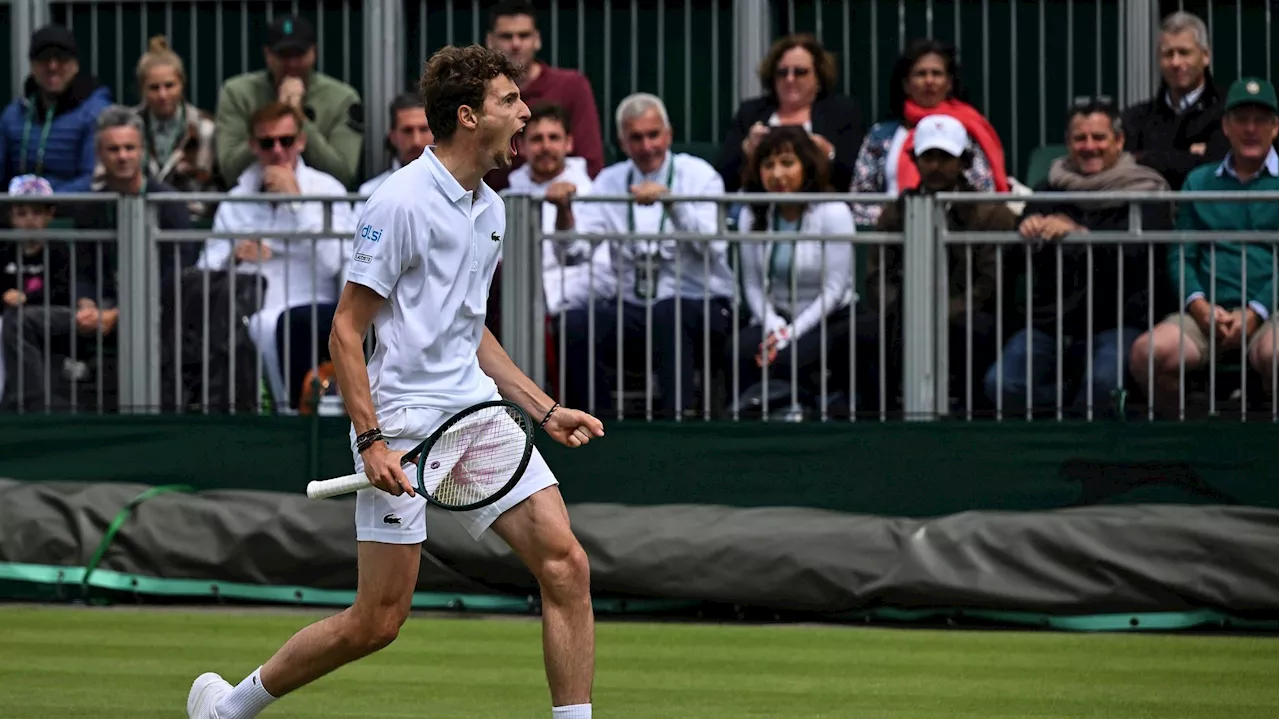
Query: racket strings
{"x": 475, "y": 458}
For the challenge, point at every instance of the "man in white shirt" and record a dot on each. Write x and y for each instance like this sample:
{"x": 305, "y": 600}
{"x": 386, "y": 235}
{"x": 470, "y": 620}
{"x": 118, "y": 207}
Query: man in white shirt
{"x": 573, "y": 273}
{"x": 426, "y": 249}
{"x": 408, "y": 137}
{"x": 298, "y": 272}
{"x": 671, "y": 277}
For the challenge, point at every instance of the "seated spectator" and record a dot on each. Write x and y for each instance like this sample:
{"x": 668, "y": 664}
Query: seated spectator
{"x": 178, "y": 137}
{"x": 408, "y": 137}
{"x": 573, "y": 273}
{"x": 332, "y": 114}
{"x": 298, "y": 273}
{"x": 790, "y": 286}
{"x": 120, "y": 153}
{"x": 1181, "y": 127}
{"x": 49, "y": 130}
{"x": 1230, "y": 295}
{"x": 306, "y": 327}
{"x": 801, "y": 77}
{"x": 647, "y": 269}
{"x": 513, "y": 31}
{"x": 35, "y": 305}
{"x": 925, "y": 81}
{"x": 943, "y": 155}
{"x": 1106, "y": 292}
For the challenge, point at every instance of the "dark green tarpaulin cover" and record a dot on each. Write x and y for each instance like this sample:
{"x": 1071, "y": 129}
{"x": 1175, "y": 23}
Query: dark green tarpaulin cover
{"x": 1080, "y": 561}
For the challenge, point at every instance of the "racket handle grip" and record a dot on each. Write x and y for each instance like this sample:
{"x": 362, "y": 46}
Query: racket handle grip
{"x": 323, "y": 488}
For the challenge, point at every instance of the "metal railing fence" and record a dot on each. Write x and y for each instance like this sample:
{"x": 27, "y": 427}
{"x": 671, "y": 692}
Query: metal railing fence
{"x": 926, "y": 389}
{"x": 524, "y": 298}
{"x": 1137, "y": 234}
{"x": 40, "y": 310}
{"x": 148, "y": 342}
{"x": 153, "y": 317}
{"x": 274, "y": 384}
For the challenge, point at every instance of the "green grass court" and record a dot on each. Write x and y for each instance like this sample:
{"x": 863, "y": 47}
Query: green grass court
{"x": 69, "y": 663}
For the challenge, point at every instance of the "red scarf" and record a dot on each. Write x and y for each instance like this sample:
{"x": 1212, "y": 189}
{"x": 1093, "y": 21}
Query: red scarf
{"x": 979, "y": 129}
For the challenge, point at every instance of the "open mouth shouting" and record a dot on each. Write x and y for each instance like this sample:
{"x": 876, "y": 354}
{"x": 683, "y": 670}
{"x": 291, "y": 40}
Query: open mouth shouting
{"x": 514, "y": 144}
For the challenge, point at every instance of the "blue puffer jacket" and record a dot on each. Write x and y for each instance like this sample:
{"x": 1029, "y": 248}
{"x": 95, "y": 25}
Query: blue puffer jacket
{"x": 69, "y": 156}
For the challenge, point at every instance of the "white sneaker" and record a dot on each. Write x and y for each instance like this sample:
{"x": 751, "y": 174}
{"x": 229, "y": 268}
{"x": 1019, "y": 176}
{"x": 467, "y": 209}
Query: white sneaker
{"x": 206, "y": 690}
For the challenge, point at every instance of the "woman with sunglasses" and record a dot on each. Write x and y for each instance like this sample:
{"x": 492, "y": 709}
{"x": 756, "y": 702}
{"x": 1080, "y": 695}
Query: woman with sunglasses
{"x": 801, "y": 77}
{"x": 789, "y": 285}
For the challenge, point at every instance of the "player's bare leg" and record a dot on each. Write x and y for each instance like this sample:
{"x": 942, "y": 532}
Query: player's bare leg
{"x": 538, "y": 532}
{"x": 384, "y": 594}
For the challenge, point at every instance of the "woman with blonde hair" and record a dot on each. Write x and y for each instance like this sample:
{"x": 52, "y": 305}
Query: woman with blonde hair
{"x": 178, "y": 137}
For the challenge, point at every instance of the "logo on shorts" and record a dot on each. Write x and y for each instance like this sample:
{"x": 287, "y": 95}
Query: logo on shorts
{"x": 495, "y": 237}
{"x": 367, "y": 232}
{"x": 362, "y": 257}
{"x": 390, "y": 519}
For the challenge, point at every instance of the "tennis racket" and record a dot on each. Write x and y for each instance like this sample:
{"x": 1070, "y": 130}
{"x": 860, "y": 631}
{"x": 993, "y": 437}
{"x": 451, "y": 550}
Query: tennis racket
{"x": 474, "y": 459}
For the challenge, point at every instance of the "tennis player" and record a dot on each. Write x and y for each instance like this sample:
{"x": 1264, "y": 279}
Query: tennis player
{"x": 424, "y": 255}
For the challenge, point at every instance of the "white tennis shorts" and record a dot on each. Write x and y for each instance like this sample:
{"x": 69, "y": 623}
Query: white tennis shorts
{"x": 386, "y": 518}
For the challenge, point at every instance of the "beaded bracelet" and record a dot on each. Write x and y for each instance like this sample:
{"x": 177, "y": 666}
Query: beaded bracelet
{"x": 546, "y": 419}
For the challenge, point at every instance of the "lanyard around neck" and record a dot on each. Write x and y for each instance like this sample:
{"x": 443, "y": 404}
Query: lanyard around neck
{"x": 776, "y": 226}
{"x": 631, "y": 206}
{"x": 44, "y": 137}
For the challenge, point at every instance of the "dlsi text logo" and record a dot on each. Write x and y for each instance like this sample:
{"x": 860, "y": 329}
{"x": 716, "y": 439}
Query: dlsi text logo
{"x": 368, "y": 233}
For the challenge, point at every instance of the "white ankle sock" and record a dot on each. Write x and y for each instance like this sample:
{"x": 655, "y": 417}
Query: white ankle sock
{"x": 572, "y": 711}
{"x": 246, "y": 700}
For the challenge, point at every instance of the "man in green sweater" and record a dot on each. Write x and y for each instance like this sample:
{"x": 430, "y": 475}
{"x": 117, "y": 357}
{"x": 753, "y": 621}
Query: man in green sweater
{"x": 1227, "y": 287}
{"x": 332, "y": 108}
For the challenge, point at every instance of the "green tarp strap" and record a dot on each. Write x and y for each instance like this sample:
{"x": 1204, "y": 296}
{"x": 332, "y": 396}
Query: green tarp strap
{"x": 114, "y": 528}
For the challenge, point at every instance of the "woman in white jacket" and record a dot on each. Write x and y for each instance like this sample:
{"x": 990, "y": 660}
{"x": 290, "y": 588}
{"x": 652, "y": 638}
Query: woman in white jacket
{"x": 790, "y": 286}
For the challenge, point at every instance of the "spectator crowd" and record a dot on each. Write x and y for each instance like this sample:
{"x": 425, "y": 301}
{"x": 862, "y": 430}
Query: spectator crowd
{"x": 733, "y": 327}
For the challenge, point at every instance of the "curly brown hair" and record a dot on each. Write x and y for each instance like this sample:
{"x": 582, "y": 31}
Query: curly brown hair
{"x": 458, "y": 76}
{"x": 824, "y": 63}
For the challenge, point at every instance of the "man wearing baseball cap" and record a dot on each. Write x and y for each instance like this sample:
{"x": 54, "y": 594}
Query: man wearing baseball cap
{"x": 1229, "y": 298}
{"x": 941, "y": 151}
{"x": 48, "y": 130}
{"x": 334, "y": 115}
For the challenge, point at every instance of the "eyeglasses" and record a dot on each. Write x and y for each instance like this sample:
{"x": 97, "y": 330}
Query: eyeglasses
{"x": 269, "y": 143}
{"x": 782, "y": 72}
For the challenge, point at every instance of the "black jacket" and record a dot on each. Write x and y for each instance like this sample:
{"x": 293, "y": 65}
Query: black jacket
{"x": 172, "y": 216}
{"x": 46, "y": 273}
{"x": 835, "y": 117}
{"x": 1161, "y": 139}
{"x": 1135, "y": 297}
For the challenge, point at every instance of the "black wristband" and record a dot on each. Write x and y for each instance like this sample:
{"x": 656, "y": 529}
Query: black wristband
{"x": 366, "y": 439}
{"x": 546, "y": 419}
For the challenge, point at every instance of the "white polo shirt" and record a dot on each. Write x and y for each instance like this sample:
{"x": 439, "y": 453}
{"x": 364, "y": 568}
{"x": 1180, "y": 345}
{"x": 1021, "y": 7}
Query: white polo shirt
{"x": 424, "y": 245}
